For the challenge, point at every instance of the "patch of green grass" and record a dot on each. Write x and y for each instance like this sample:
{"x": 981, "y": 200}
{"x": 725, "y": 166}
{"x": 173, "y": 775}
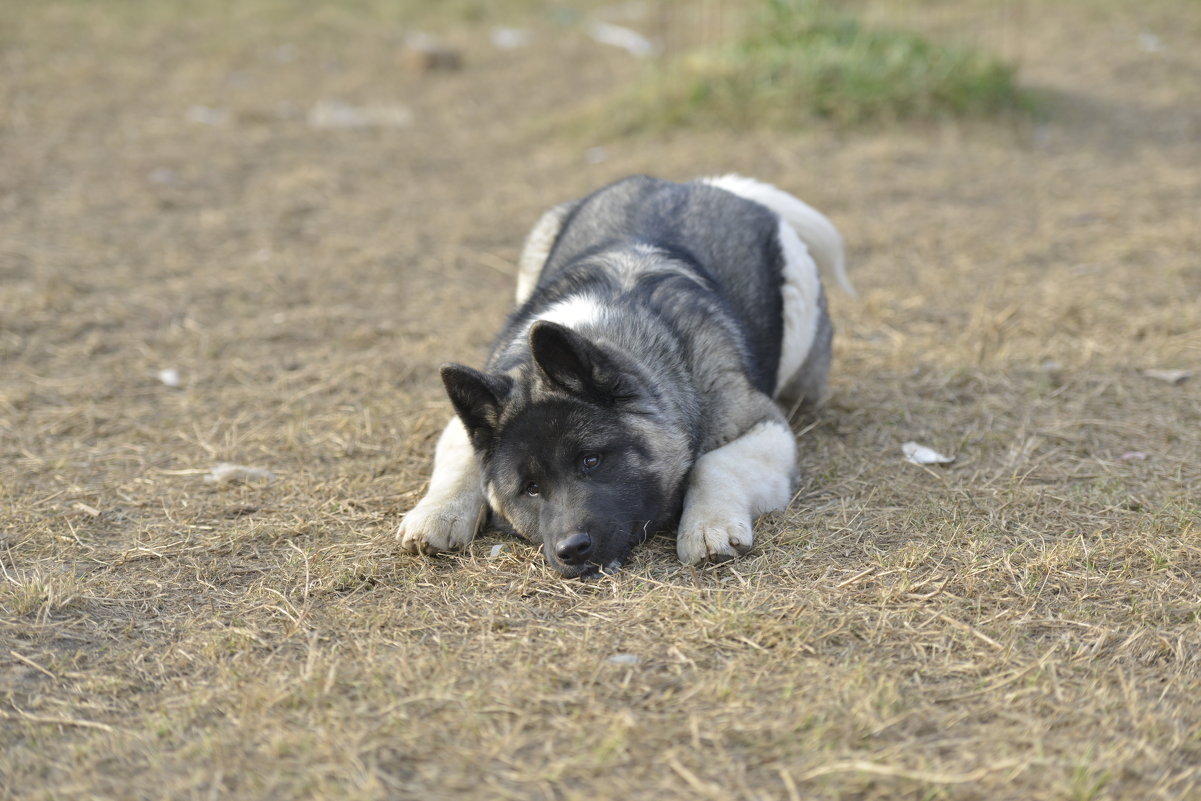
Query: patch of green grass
{"x": 801, "y": 60}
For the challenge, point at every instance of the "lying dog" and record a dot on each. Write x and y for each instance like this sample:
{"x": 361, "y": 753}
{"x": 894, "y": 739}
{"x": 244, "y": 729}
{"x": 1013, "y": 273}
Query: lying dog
{"x": 635, "y": 387}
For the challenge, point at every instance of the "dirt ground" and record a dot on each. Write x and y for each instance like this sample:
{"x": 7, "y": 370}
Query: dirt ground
{"x": 1021, "y": 624}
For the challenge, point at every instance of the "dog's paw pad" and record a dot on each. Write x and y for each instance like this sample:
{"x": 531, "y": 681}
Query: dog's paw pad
{"x": 431, "y": 527}
{"x": 713, "y": 541}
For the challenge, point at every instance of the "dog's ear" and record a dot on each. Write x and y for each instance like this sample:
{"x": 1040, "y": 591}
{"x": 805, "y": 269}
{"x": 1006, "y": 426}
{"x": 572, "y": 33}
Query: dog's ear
{"x": 477, "y": 398}
{"x": 572, "y": 363}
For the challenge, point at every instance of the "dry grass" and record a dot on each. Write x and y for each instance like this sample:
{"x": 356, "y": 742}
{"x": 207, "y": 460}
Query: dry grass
{"x": 1020, "y": 625}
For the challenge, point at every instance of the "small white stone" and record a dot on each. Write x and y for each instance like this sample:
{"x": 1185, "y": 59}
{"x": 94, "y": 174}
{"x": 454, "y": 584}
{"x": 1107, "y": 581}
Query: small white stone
{"x": 621, "y": 37}
{"x": 624, "y": 659}
{"x": 170, "y": 377}
{"x": 510, "y": 38}
{"x": 338, "y": 114}
{"x": 206, "y": 115}
{"x": 1169, "y": 376}
{"x": 1150, "y": 43}
{"x": 164, "y": 176}
{"x": 920, "y": 454}
{"x": 226, "y": 473}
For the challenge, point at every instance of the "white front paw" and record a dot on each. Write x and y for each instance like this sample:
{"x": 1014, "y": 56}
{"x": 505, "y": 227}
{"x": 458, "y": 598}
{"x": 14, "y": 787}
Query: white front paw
{"x": 713, "y": 537}
{"x": 438, "y": 525}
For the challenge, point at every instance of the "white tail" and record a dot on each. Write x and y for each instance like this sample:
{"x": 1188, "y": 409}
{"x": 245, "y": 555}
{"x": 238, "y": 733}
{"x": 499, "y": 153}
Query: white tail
{"x": 817, "y": 232}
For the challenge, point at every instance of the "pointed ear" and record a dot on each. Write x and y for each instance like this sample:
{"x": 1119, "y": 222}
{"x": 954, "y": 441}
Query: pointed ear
{"x": 576, "y": 365}
{"x": 477, "y": 398}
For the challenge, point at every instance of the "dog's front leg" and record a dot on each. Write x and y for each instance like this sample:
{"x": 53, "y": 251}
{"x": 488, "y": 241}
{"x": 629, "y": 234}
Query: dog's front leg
{"x": 453, "y": 509}
{"x": 729, "y": 486}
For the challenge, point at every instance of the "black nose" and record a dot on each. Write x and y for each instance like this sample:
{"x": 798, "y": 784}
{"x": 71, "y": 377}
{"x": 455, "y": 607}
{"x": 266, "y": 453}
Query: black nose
{"x": 574, "y": 549}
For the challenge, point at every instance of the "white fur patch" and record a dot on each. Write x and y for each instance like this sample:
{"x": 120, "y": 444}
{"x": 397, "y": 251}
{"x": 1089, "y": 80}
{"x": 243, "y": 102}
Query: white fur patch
{"x": 729, "y": 486}
{"x": 801, "y": 292}
{"x": 574, "y": 312}
{"x": 492, "y": 496}
{"x": 451, "y": 512}
{"x": 537, "y": 249}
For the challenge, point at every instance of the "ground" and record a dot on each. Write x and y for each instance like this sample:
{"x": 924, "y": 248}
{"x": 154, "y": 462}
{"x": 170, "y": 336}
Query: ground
{"x": 1020, "y": 624}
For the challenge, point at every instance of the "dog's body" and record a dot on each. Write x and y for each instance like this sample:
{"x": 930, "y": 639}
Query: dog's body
{"x": 635, "y": 385}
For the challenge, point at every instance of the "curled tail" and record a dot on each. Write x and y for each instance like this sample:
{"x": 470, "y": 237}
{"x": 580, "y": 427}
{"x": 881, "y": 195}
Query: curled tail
{"x": 817, "y": 232}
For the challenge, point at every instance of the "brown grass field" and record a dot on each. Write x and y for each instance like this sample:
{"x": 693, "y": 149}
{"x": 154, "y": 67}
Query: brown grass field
{"x": 1021, "y": 624}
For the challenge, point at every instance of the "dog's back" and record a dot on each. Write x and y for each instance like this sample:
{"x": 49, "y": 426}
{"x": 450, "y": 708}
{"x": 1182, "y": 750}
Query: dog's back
{"x": 739, "y": 237}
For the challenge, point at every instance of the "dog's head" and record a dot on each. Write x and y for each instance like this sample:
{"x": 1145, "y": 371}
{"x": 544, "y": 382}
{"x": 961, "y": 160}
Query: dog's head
{"x": 577, "y": 451}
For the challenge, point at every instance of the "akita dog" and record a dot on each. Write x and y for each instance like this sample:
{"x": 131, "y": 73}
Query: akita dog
{"x": 635, "y": 386}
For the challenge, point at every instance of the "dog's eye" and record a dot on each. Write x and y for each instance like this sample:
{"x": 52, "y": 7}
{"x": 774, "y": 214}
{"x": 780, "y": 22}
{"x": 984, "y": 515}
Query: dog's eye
{"x": 590, "y": 461}
{"x": 532, "y": 489}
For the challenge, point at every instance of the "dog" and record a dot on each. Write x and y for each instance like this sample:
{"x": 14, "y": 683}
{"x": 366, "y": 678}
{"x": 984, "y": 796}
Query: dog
{"x": 660, "y": 331}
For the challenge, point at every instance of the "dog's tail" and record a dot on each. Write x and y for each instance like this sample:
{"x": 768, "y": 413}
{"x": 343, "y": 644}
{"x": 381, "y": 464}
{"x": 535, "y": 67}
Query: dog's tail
{"x": 817, "y": 232}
